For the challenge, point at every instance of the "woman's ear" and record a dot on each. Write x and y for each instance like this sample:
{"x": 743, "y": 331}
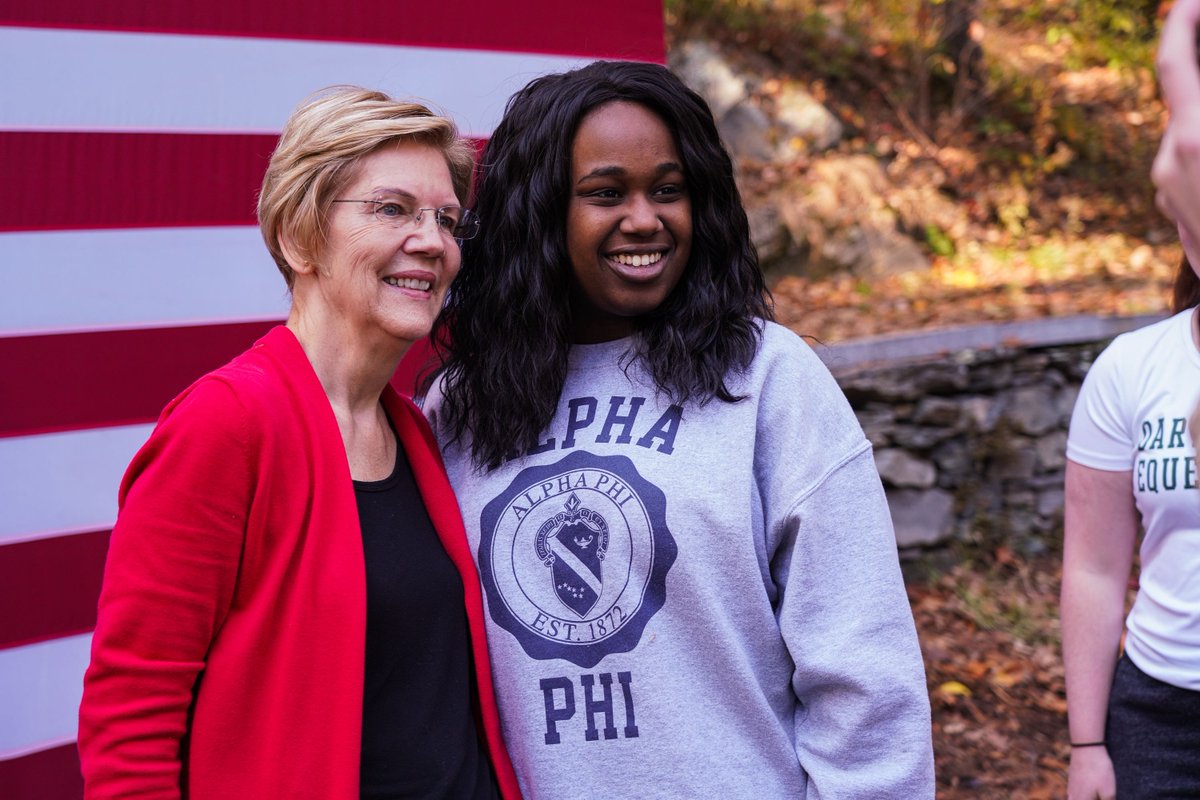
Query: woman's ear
{"x": 297, "y": 257}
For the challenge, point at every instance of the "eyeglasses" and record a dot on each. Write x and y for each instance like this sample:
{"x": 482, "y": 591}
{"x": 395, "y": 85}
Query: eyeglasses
{"x": 461, "y": 223}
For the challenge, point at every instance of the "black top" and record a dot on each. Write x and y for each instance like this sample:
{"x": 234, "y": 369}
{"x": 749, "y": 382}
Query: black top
{"x": 419, "y": 737}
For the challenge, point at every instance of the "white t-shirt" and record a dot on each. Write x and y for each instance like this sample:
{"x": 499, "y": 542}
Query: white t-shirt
{"x": 1132, "y": 414}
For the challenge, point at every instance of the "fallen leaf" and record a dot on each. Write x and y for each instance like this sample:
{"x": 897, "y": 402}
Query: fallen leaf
{"x": 954, "y": 689}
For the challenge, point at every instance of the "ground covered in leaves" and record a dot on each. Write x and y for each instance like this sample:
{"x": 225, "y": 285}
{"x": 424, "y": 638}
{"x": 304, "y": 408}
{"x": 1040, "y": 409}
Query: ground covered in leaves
{"x": 1109, "y": 275}
{"x": 989, "y": 634}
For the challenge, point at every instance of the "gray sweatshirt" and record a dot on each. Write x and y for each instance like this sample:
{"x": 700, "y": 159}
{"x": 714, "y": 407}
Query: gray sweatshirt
{"x": 699, "y": 601}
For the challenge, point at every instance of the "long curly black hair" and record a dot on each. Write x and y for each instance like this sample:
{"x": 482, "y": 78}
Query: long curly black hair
{"x": 505, "y": 333}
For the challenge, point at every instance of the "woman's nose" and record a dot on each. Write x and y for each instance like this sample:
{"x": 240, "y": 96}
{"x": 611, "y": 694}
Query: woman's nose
{"x": 642, "y": 217}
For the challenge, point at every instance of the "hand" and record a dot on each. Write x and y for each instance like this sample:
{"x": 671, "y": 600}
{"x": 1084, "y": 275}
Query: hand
{"x": 1091, "y": 775}
{"x": 1176, "y": 170}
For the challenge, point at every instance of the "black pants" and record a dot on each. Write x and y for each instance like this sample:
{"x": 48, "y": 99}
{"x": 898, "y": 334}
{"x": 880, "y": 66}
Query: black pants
{"x": 1153, "y": 735}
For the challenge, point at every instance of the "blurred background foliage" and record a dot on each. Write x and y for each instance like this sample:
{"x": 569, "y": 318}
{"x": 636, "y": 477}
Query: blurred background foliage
{"x": 1039, "y": 119}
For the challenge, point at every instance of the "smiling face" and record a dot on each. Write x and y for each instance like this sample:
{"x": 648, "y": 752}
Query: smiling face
{"x": 629, "y": 219}
{"x": 375, "y": 282}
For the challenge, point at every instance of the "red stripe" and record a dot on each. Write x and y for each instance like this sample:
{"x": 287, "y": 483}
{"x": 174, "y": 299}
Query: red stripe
{"x": 48, "y": 775}
{"x": 49, "y": 587}
{"x": 68, "y": 381}
{"x": 64, "y": 181}
{"x": 56, "y": 180}
{"x": 623, "y": 29}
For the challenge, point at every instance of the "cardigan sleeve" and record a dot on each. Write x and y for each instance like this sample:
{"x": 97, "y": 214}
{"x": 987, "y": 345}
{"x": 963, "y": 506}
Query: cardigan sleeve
{"x": 169, "y": 580}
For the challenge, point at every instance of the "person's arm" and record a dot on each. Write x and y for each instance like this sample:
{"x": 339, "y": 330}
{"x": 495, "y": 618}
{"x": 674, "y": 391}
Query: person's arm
{"x": 1176, "y": 170}
{"x": 169, "y": 579}
{"x": 1194, "y": 424}
{"x": 863, "y": 730}
{"x": 1101, "y": 527}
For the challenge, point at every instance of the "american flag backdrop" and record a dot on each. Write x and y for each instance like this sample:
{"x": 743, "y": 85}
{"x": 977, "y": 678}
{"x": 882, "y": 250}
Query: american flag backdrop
{"x": 133, "y": 138}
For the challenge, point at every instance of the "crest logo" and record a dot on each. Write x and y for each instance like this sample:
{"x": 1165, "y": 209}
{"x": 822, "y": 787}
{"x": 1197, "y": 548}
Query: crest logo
{"x": 574, "y": 557}
{"x": 572, "y": 544}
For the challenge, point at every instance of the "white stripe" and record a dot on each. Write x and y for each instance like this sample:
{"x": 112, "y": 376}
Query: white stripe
{"x": 137, "y": 277}
{"x": 585, "y": 574}
{"x": 91, "y": 80}
{"x": 63, "y": 482}
{"x": 40, "y": 688}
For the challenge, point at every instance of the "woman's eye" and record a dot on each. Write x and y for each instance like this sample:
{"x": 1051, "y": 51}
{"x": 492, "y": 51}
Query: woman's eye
{"x": 391, "y": 210}
{"x": 605, "y": 194}
{"x": 669, "y": 192}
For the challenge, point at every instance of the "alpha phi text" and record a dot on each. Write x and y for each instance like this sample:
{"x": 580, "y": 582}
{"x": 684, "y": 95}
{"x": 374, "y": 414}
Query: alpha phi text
{"x": 621, "y": 418}
{"x": 559, "y": 696}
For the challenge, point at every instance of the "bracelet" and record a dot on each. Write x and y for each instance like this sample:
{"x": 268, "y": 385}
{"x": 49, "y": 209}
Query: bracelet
{"x": 1089, "y": 744}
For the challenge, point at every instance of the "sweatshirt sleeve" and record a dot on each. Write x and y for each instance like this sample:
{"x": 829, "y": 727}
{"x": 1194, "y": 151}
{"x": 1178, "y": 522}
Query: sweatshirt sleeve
{"x": 169, "y": 580}
{"x": 863, "y": 724}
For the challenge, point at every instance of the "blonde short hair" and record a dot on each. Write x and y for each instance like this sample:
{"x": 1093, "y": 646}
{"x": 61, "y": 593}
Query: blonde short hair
{"x": 318, "y": 153}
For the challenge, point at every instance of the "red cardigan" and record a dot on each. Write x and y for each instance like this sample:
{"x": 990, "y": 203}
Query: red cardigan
{"x": 228, "y": 657}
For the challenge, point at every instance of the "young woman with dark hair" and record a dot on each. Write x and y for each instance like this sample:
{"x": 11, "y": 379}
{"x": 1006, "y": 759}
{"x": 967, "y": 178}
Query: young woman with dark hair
{"x": 689, "y": 343}
{"x": 1133, "y": 682}
{"x": 689, "y": 566}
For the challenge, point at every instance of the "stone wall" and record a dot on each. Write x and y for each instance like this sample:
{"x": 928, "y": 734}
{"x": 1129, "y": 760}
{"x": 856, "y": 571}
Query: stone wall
{"x": 970, "y": 424}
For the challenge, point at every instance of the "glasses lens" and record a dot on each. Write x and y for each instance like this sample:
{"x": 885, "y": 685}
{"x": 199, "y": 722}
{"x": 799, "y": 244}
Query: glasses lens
{"x": 391, "y": 213}
{"x": 449, "y": 217}
{"x": 468, "y": 224}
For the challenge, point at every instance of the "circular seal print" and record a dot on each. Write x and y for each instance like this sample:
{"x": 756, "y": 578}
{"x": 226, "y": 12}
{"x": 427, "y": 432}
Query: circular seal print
{"x": 574, "y": 557}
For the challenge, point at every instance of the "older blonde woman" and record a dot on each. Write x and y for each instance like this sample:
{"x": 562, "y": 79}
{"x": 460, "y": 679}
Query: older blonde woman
{"x": 289, "y": 606}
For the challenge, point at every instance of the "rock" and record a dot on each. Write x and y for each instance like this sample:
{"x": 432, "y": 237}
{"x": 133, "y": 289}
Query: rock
{"x": 870, "y": 251}
{"x": 992, "y": 377}
{"x": 1032, "y": 546}
{"x": 1052, "y": 481}
{"x": 700, "y": 66}
{"x": 1017, "y": 463}
{"x": 1065, "y": 402}
{"x": 919, "y": 205}
{"x": 1032, "y": 410}
{"x": 898, "y": 468}
{"x": 1052, "y": 451}
{"x": 887, "y": 387}
{"x": 804, "y": 124}
{"x": 979, "y": 411}
{"x": 953, "y": 458}
{"x": 1020, "y": 499}
{"x": 876, "y": 424}
{"x": 921, "y": 518}
{"x": 1033, "y": 363}
{"x": 1050, "y": 503}
{"x": 920, "y": 437}
{"x": 746, "y": 131}
{"x": 943, "y": 378}
{"x": 1019, "y": 524}
{"x": 865, "y": 241}
{"x": 768, "y": 233}
{"x": 938, "y": 411}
